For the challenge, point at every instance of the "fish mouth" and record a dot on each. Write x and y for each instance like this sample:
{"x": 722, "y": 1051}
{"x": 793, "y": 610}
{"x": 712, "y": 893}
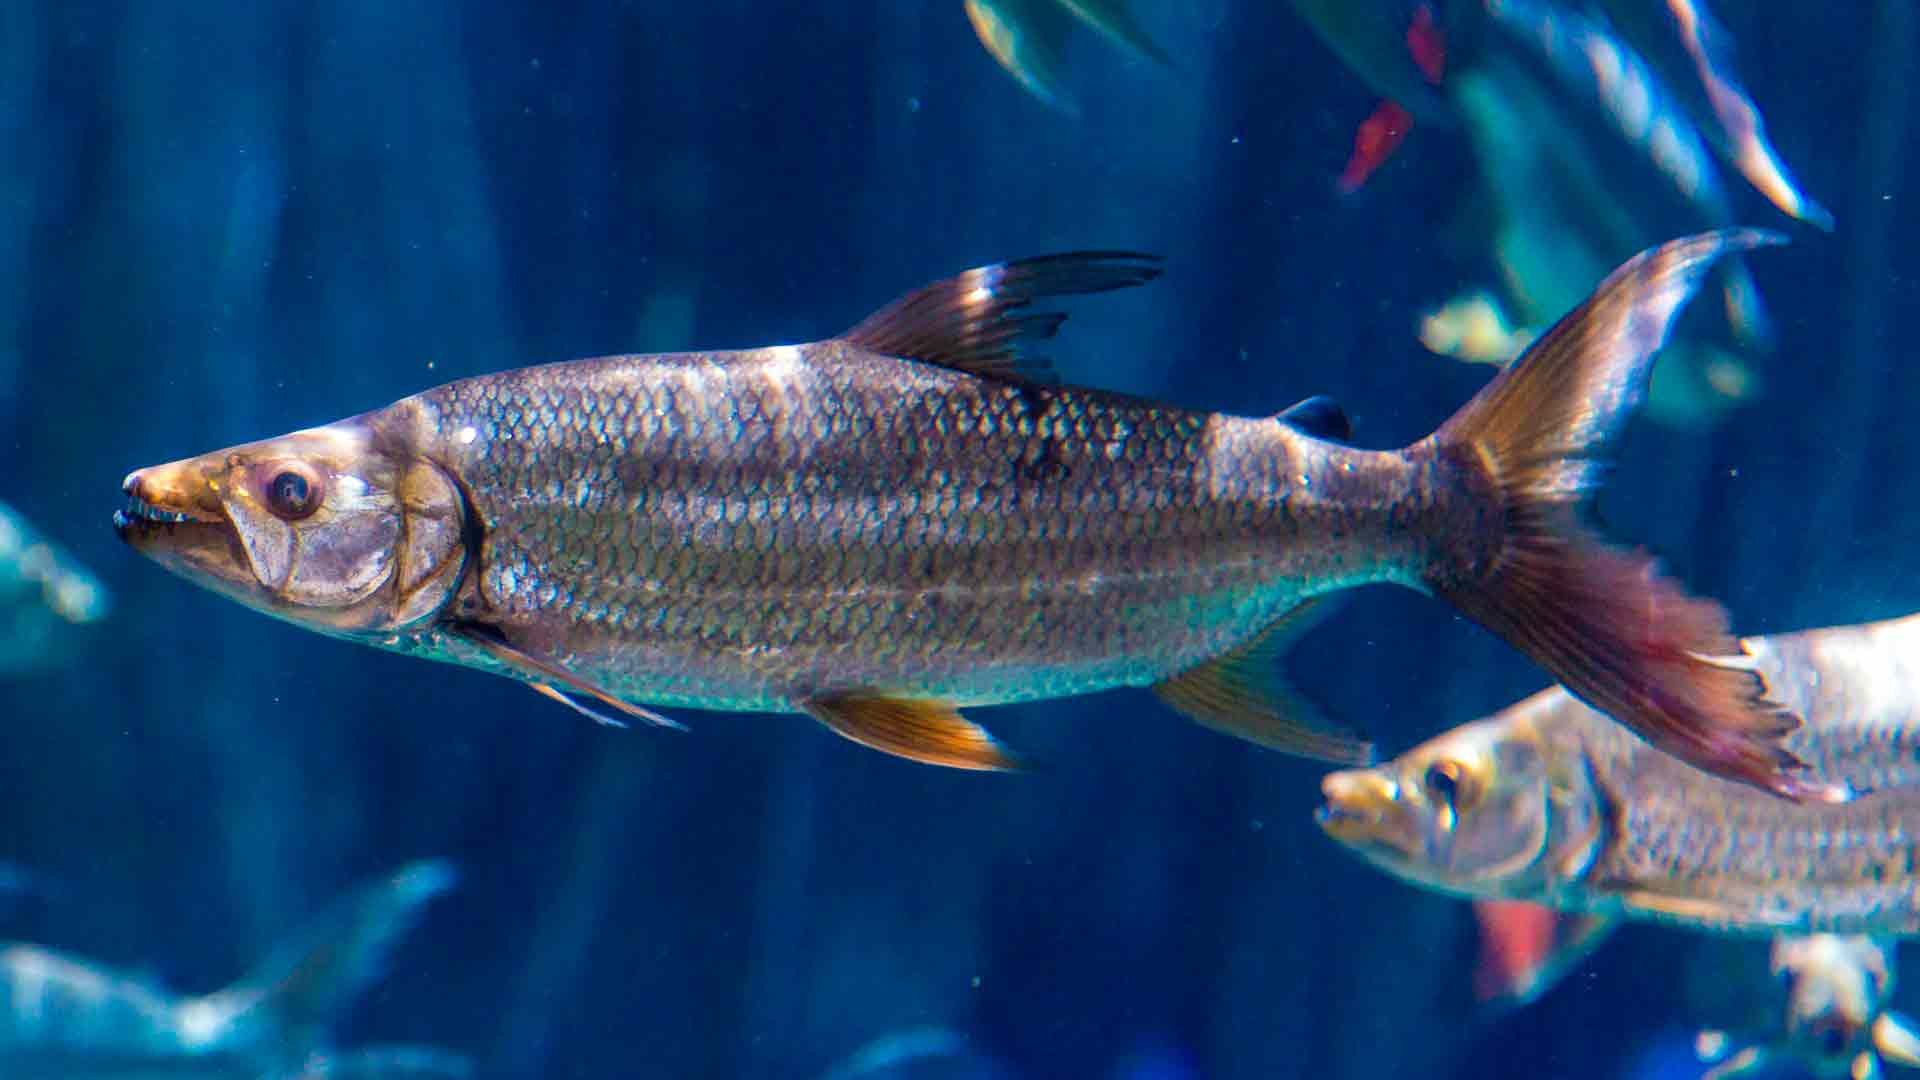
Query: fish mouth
{"x": 154, "y": 508}
{"x": 173, "y": 517}
{"x": 1345, "y": 823}
{"x": 1361, "y": 810}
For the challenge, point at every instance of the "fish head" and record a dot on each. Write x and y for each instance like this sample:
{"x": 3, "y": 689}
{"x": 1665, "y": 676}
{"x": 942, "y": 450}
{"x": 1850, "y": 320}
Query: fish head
{"x": 1468, "y": 812}
{"x": 341, "y": 528}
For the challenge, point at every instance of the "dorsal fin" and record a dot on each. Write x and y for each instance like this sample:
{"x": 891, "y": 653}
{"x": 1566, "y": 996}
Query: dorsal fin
{"x": 970, "y": 322}
{"x": 1319, "y": 416}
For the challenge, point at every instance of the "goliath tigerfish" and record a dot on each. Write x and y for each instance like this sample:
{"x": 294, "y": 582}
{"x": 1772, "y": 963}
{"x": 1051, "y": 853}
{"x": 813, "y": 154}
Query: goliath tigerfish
{"x": 880, "y": 528}
{"x": 1549, "y": 802}
{"x": 61, "y": 1016}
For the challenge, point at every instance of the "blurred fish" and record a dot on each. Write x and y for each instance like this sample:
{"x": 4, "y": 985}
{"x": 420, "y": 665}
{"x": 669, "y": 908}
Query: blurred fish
{"x": 1569, "y": 196}
{"x": 1473, "y": 328}
{"x": 1837, "y": 1021}
{"x": 1604, "y": 85}
{"x": 1381, "y": 133}
{"x": 924, "y": 1053}
{"x": 66, "y": 1017}
{"x": 44, "y": 595}
{"x": 880, "y": 528}
{"x": 1028, "y": 38}
{"x": 1391, "y": 45}
{"x": 1730, "y": 118}
{"x": 1548, "y": 801}
{"x": 1398, "y": 47}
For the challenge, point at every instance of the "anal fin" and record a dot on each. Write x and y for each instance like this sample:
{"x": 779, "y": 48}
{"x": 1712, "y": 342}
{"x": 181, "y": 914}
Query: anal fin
{"x": 1243, "y": 693}
{"x": 932, "y": 732}
{"x": 541, "y": 674}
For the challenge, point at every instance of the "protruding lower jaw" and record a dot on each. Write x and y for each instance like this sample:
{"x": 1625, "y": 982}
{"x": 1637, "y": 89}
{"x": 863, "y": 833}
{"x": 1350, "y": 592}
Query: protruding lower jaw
{"x": 173, "y": 517}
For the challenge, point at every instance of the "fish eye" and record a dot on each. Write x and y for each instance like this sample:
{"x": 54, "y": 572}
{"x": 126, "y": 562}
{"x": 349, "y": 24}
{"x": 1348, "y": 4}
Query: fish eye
{"x": 1443, "y": 781}
{"x": 292, "y": 490}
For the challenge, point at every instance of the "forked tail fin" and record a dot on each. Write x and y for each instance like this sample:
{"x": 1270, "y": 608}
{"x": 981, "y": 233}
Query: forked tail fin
{"x": 285, "y": 1007}
{"x": 1602, "y": 620}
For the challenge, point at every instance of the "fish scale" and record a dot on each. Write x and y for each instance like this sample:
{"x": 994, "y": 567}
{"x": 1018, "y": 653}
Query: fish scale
{"x": 747, "y": 599}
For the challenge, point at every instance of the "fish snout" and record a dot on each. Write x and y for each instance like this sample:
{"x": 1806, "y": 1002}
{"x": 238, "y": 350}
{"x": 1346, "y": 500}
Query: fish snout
{"x": 170, "y": 494}
{"x": 1357, "y": 801}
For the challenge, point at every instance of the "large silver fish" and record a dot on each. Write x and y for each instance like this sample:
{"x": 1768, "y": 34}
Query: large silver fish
{"x": 882, "y": 527}
{"x": 1548, "y": 801}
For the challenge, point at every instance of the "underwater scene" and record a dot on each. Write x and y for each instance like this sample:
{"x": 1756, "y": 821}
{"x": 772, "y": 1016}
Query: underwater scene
{"x": 959, "y": 540}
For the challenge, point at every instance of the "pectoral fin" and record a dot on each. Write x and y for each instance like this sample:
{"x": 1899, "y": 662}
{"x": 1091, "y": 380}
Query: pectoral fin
{"x": 545, "y": 677}
{"x": 932, "y": 732}
{"x": 1696, "y": 911}
{"x": 1526, "y": 949}
{"x": 1243, "y": 693}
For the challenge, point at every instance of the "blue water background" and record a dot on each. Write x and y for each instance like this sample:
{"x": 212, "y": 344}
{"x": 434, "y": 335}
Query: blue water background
{"x": 222, "y": 221}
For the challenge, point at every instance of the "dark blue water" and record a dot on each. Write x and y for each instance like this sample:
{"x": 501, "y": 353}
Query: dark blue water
{"x": 223, "y": 221}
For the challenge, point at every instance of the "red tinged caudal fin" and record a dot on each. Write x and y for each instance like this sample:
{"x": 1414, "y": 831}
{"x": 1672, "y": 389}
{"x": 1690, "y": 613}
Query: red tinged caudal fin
{"x": 1603, "y": 620}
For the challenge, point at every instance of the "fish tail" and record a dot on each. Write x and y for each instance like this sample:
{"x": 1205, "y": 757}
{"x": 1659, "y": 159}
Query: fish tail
{"x": 1603, "y": 620}
{"x": 293, "y": 998}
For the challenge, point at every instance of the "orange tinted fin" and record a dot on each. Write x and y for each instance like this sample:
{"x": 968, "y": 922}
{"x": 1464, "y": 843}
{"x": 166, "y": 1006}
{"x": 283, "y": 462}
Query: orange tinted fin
{"x": 1526, "y": 948}
{"x": 933, "y": 732}
{"x": 1244, "y": 693}
{"x": 973, "y": 322}
{"x": 541, "y": 674}
{"x": 1602, "y": 620}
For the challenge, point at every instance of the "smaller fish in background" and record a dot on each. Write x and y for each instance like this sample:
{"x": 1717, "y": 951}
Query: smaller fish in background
{"x": 1396, "y": 47}
{"x": 44, "y": 595}
{"x": 1382, "y": 132}
{"x": 1547, "y": 801}
{"x": 1741, "y": 133}
{"x": 1028, "y": 38}
{"x": 920, "y": 1053}
{"x": 1836, "y": 1024}
{"x": 69, "y": 1017}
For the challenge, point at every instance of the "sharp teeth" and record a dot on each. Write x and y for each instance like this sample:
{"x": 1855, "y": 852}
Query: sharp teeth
{"x": 146, "y": 511}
